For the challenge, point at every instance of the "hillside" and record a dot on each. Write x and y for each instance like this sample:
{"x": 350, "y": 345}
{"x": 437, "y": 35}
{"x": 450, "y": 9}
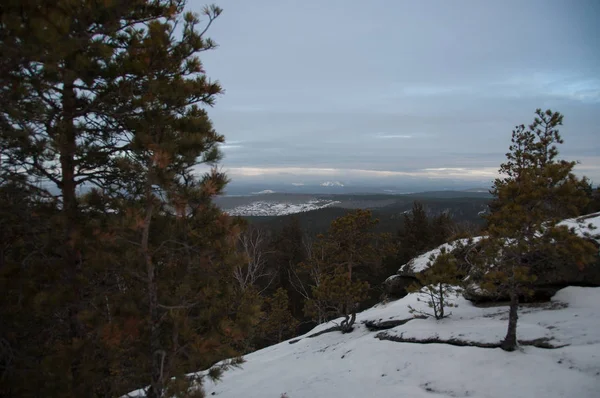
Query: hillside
{"x": 393, "y": 353}
{"x": 364, "y": 364}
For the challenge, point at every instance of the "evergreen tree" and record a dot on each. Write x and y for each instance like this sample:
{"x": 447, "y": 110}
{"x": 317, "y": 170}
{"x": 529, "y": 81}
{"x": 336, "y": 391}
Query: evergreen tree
{"x": 593, "y": 195}
{"x": 439, "y": 283}
{"x": 57, "y": 127}
{"x": 415, "y": 236}
{"x": 279, "y": 323}
{"x": 421, "y": 232}
{"x": 290, "y": 247}
{"x": 134, "y": 285}
{"x": 349, "y": 245}
{"x": 337, "y": 295}
{"x": 535, "y": 192}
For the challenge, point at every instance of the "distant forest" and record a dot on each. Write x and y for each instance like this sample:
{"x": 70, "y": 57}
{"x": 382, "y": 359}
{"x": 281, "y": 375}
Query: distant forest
{"x": 463, "y": 210}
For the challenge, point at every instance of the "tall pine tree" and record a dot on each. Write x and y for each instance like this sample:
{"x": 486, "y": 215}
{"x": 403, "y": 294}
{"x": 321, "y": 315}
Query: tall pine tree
{"x": 536, "y": 191}
{"x": 134, "y": 286}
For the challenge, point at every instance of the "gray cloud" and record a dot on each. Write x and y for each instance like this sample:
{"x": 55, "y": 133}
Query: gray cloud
{"x": 420, "y": 88}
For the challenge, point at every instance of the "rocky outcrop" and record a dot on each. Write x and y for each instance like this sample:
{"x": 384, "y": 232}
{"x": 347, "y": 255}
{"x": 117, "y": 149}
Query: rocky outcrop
{"x": 551, "y": 275}
{"x": 395, "y": 287}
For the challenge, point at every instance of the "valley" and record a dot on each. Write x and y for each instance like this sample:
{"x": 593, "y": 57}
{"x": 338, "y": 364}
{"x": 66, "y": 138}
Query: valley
{"x": 316, "y": 211}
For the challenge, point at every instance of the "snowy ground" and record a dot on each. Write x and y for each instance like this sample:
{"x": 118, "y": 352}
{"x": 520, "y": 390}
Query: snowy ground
{"x": 360, "y": 365}
{"x": 585, "y": 226}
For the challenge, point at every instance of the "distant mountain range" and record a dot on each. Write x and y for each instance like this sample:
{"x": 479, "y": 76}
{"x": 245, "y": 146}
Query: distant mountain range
{"x": 264, "y": 192}
{"x": 332, "y": 184}
{"x": 344, "y": 187}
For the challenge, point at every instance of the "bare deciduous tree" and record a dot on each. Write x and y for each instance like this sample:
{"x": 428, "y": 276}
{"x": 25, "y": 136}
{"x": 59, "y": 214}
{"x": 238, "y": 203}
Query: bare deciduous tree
{"x": 253, "y": 243}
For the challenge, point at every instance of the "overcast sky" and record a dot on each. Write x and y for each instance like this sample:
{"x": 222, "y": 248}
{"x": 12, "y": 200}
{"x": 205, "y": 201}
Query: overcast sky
{"x": 347, "y": 89}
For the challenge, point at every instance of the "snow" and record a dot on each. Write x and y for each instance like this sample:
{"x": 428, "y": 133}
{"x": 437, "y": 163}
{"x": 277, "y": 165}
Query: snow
{"x": 264, "y": 192}
{"x": 391, "y": 278}
{"x": 266, "y": 208}
{"x": 585, "y": 225}
{"x": 588, "y": 225}
{"x": 421, "y": 262}
{"x": 358, "y": 364}
{"x": 332, "y": 184}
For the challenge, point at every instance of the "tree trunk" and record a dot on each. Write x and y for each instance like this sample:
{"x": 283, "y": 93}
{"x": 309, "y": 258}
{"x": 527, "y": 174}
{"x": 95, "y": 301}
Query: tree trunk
{"x": 510, "y": 341}
{"x": 441, "y": 292}
{"x": 156, "y": 353}
{"x": 347, "y": 324}
{"x": 66, "y": 140}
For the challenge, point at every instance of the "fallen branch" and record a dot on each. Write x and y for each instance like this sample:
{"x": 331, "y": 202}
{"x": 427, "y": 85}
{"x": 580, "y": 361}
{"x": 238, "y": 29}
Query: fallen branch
{"x": 374, "y": 326}
{"x": 331, "y": 329}
{"x": 543, "y": 342}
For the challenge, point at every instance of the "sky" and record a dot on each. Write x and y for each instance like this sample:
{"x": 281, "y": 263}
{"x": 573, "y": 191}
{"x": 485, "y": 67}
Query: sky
{"x": 395, "y": 91}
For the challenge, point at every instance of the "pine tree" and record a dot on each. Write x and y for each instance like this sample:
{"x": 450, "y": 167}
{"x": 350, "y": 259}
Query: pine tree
{"x": 415, "y": 236}
{"x": 279, "y": 323}
{"x": 535, "y": 192}
{"x": 290, "y": 248}
{"x": 439, "y": 284}
{"x": 184, "y": 241}
{"x": 58, "y": 129}
{"x": 135, "y": 282}
{"x": 337, "y": 295}
{"x": 349, "y": 246}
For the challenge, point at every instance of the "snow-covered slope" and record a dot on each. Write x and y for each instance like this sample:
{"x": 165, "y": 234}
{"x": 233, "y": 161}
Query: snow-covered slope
{"x": 584, "y": 226}
{"x": 360, "y": 365}
{"x": 268, "y": 208}
{"x": 421, "y": 262}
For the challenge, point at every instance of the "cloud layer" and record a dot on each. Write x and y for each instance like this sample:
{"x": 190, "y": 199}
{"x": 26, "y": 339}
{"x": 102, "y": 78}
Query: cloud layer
{"x": 400, "y": 89}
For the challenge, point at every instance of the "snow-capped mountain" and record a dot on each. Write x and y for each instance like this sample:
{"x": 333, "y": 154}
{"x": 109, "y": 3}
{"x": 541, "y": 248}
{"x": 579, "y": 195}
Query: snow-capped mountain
{"x": 267, "y": 208}
{"x": 332, "y": 184}
{"x": 264, "y": 192}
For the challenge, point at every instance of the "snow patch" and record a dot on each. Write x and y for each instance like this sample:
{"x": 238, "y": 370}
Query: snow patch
{"x": 585, "y": 226}
{"x": 265, "y": 208}
{"x": 421, "y": 262}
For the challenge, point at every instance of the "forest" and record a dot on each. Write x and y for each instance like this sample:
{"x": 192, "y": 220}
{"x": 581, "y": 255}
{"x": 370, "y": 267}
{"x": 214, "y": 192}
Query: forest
{"x": 117, "y": 269}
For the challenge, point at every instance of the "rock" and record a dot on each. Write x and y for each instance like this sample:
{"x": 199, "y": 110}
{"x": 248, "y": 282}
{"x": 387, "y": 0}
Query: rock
{"x": 395, "y": 286}
{"x": 551, "y": 275}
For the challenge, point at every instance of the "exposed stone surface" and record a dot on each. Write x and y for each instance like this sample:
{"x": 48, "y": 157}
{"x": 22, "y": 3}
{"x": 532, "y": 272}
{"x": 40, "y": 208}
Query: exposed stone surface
{"x": 551, "y": 276}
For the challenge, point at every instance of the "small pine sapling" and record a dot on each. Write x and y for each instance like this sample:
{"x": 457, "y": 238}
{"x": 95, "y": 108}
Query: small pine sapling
{"x": 438, "y": 284}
